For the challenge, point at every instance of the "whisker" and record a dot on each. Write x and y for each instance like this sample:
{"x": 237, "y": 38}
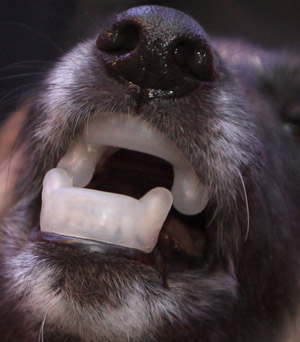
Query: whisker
{"x": 38, "y": 33}
{"x": 4, "y": 99}
{"x": 11, "y": 77}
{"x": 41, "y": 332}
{"x": 28, "y": 64}
{"x": 247, "y": 206}
{"x": 9, "y": 101}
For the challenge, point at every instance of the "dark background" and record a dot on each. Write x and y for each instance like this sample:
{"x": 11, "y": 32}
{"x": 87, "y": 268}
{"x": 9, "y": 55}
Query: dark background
{"x": 34, "y": 33}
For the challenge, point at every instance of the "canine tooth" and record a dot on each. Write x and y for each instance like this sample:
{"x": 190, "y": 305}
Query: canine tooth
{"x": 102, "y": 216}
{"x": 190, "y": 196}
{"x": 108, "y": 131}
{"x": 80, "y": 162}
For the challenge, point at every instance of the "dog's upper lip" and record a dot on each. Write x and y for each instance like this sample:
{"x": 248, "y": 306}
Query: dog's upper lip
{"x": 128, "y": 222}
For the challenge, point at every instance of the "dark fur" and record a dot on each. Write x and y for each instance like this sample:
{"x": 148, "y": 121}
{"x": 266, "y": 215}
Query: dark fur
{"x": 235, "y": 137}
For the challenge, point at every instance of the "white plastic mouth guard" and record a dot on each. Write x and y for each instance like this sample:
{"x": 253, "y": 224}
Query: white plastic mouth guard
{"x": 68, "y": 209}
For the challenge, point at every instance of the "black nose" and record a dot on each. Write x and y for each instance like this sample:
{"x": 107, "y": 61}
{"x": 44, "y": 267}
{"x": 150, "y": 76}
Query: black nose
{"x": 163, "y": 51}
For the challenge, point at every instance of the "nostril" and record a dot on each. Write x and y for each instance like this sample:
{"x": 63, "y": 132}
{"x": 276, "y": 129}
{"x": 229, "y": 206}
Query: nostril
{"x": 156, "y": 52}
{"x": 121, "y": 39}
{"x": 194, "y": 60}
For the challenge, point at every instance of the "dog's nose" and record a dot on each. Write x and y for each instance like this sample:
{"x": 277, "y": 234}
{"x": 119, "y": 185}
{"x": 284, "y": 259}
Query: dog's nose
{"x": 162, "y": 50}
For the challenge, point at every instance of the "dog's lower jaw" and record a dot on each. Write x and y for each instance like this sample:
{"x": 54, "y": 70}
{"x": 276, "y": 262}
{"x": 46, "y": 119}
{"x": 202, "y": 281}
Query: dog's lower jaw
{"x": 100, "y": 298}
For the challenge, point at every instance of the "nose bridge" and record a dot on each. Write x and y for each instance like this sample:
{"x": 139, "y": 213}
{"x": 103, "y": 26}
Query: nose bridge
{"x": 157, "y": 48}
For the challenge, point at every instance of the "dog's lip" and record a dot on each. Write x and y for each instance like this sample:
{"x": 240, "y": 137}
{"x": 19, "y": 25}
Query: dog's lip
{"x": 62, "y": 211}
{"x": 175, "y": 251}
{"x": 92, "y": 246}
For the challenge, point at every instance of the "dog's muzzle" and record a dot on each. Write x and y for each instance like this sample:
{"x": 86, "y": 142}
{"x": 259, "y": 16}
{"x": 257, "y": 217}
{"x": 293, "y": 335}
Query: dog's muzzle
{"x": 158, "y": 53}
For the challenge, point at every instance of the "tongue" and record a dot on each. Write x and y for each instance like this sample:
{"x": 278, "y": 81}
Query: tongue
{"x": 102, "y": 216}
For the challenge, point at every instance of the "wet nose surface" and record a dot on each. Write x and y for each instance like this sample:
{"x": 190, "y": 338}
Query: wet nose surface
{"x": 161, "y": 50}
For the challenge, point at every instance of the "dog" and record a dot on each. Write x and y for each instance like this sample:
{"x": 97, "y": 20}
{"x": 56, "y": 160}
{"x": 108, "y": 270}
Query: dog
{"x": 152, "y": 112}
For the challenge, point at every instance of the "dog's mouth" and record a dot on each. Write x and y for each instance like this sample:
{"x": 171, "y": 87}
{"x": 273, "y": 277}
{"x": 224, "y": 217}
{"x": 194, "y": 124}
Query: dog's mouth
{"x": 116, "y": 185}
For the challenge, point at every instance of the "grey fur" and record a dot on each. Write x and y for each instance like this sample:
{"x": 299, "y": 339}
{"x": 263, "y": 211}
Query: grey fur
{"x": 235, "y": 140}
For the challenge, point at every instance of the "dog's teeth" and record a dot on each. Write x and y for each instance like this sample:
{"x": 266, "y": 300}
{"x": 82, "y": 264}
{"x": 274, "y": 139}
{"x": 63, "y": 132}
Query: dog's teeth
{"x": 102, "y": 216}
{"x": 81, "y": 160}
{"x": 106, "y": 132}
{"x": 190, "y": 196}
{"x": 108, "y": 217}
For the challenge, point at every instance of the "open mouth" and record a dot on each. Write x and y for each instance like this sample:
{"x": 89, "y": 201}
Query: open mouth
{"x": 117, "y": 185}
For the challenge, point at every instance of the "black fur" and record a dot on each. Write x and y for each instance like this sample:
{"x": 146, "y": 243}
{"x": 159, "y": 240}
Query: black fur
{"x": 235, "y": 134}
